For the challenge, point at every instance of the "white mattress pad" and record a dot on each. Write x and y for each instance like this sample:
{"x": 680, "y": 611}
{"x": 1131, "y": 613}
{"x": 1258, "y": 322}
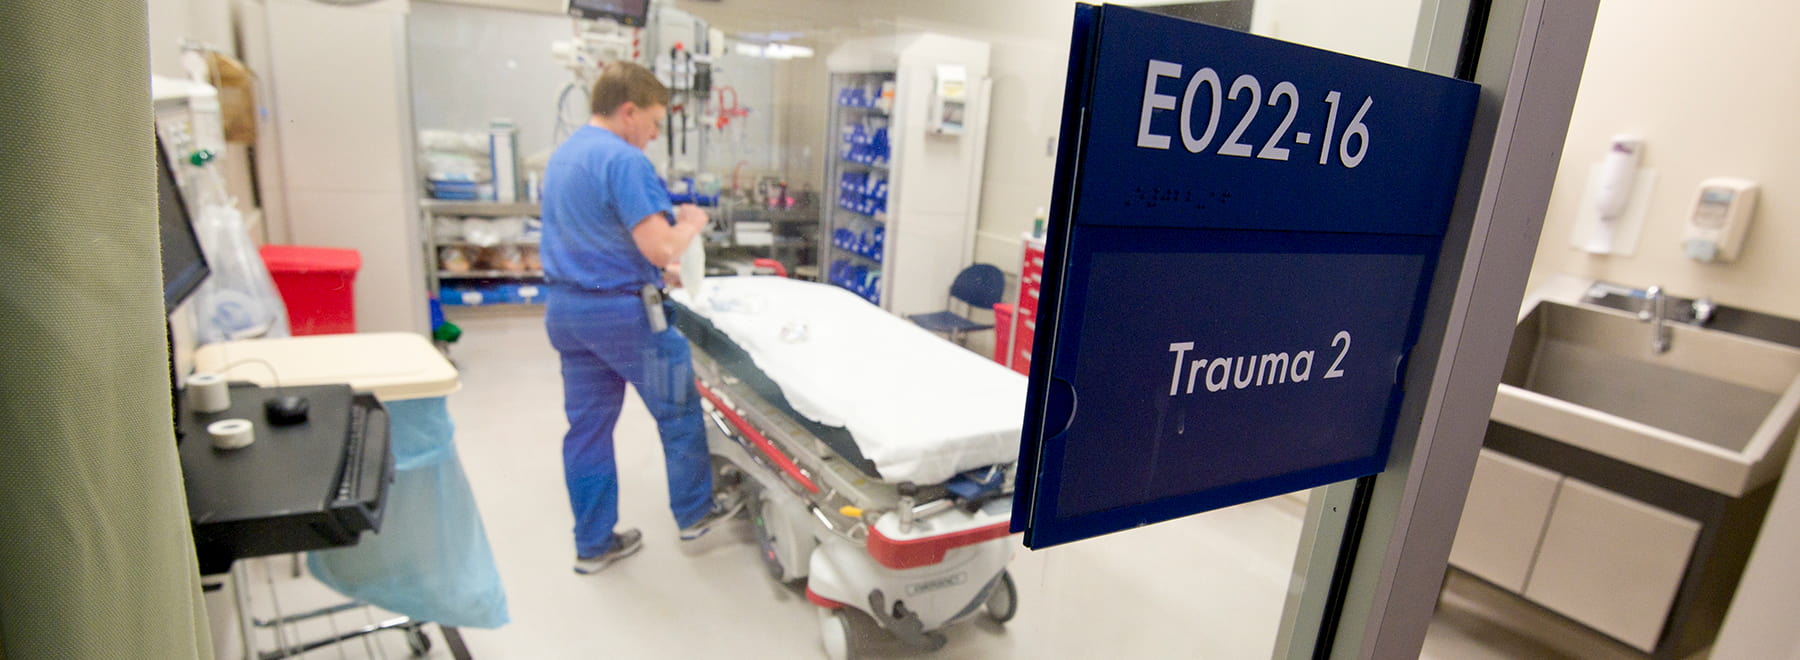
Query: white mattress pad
{"x": 920, "y": 408}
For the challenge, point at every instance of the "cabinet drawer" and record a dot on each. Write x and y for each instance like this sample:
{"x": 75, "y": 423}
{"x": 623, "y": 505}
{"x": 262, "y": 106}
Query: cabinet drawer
{"x": 1027, "y": 326}
{"x": 1028, "y": 301}
{"x": 1611, "y": 562}
{"x": 1021, "y": 356}
{"x": 1503, "y": 519}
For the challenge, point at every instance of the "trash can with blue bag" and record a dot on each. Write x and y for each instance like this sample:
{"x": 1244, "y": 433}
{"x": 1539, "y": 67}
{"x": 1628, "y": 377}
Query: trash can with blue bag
{"x": 431, "y": 560}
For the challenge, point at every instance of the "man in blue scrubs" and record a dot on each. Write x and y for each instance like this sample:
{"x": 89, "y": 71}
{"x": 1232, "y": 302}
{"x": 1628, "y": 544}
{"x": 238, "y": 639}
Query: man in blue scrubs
{"x": 609, "y": 231}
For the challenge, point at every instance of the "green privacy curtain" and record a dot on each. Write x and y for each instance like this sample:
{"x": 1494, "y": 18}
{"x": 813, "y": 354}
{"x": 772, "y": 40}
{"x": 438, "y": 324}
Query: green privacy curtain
{"x": 96, "y": 555}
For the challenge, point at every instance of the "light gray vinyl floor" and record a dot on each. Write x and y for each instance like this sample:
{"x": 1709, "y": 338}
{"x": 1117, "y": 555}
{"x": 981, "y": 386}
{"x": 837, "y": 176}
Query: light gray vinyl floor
{"x": 1208, "y": 586}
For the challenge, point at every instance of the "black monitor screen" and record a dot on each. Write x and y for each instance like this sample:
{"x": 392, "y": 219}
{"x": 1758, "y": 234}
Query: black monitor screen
{"x": 183, "y": 264}
{"x": 626, "y": 12}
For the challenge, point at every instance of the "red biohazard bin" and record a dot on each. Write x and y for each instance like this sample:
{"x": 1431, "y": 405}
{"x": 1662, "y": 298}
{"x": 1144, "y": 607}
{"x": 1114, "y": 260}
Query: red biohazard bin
{"x": 318, "y": 286}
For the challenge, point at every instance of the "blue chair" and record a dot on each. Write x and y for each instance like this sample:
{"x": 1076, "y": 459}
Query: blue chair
{"x": 980, "y": 287}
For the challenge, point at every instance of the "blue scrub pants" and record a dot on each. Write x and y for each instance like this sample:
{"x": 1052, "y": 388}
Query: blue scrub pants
{"x": 605, "y": 342}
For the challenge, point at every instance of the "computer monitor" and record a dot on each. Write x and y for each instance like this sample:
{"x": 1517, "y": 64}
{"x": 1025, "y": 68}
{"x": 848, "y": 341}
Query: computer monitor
{"x": 183, "y": 263}
{"x": 627, "y": 12}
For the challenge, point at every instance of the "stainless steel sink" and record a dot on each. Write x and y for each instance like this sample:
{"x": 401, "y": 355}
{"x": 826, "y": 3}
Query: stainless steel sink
{"x": 1717, "y": 409}
{"x": 1724, "y": 318}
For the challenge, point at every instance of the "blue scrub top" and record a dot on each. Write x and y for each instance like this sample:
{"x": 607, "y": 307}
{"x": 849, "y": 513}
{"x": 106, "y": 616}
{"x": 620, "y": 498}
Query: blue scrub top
{"x": 596, "y": 188}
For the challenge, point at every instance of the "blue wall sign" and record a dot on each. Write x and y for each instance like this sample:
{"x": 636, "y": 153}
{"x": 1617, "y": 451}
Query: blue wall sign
{"x": 1241, "y": 243}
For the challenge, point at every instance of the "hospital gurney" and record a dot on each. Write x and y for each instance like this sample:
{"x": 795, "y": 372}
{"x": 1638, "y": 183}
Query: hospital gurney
{"x": 907, "y": 522}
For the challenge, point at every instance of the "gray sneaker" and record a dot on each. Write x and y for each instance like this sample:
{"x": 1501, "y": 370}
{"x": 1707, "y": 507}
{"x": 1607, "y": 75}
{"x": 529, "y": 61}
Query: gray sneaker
{"x": 625, "y": 544}
{"x": 722, "y": 509}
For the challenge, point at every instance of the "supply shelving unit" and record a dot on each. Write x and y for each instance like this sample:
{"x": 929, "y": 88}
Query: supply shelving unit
{"x": 791, "y": 234}
{"x": 901, "y": 190}
{"x": 858, "y": 181}
{"x": 476, "y": 287}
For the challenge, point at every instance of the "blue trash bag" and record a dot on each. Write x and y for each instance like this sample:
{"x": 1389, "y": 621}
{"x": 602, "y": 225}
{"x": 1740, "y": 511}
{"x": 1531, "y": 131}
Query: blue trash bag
{"x": 431, "y": 560}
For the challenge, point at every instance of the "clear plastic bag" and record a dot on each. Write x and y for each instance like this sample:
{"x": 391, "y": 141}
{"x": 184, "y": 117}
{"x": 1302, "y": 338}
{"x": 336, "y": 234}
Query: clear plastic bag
{"x": 454, "y": 259}
{"x": 484, "y": 232}
{"x": 447, "y": 229}
{"x": 239, "y": 300}
{"x": 509, "y": 258}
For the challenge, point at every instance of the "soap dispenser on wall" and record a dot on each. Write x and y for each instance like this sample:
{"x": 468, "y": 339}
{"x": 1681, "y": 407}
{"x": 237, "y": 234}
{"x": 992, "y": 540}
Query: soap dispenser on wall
{"x": 1715, "y": 230}
{"x": 1617, "y": 172}
{"x": 1611, "y": 192}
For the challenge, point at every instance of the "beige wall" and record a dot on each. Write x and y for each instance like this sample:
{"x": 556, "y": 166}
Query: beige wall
{"x": 1380, "y": 30}
{"x": 801, "y": 92}
{"x": 1713, "y": 90}
{"x": 468, "y": 65}
{"x": 208, "y": 21}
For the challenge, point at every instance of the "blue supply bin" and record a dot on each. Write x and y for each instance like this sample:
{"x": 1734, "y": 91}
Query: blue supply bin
{"x": 453, "y": 189}
{"x": 686, "y": 193}
{"x": 470, "y": 293}
{"x": 431, "y": 560}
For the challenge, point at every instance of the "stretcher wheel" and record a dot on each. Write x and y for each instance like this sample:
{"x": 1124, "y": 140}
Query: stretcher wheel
{"x": 418, "y": 642}
{"x": 1003, "y": 602}
{"x": 765, "y": 541}
{"x": 834, "y": 630}
{"x": 725, "y": 475}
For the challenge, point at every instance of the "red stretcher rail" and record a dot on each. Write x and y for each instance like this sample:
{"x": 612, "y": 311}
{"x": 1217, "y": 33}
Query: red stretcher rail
{"x": 768, "y": 448}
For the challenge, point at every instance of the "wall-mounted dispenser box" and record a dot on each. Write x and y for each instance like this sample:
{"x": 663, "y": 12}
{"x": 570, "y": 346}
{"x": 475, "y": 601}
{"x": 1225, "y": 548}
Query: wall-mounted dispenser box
{"x": 1715, "y": 230}
{"x": 949, "y": 100}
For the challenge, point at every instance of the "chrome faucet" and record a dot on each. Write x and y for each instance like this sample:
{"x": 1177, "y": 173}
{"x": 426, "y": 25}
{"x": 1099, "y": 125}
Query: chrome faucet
{"x": 1656, "y": 311}
{"x": 1703, "y": 310}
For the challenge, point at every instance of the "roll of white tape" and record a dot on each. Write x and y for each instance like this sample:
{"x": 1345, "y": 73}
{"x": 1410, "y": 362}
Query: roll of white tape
{"x": 232, "y": 433}
{"x": 208, "y": 393}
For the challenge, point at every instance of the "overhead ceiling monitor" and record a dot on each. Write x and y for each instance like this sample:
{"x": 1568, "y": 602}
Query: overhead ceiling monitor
{"x": 633, "y": 13}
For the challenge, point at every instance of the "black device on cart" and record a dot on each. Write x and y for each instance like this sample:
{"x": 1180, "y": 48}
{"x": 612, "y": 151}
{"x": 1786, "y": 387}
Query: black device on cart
{"x": 307, "y": 486}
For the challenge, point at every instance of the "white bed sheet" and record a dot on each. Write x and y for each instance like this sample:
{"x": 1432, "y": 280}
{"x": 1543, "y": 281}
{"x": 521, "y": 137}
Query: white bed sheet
{"x": 920, "y": 408}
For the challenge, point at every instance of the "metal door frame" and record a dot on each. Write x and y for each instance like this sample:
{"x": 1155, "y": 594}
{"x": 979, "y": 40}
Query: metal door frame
{"x": 1373, "y": 551}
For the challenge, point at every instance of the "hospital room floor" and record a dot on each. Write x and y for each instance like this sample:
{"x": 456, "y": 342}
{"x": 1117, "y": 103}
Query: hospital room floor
{"x": 1208, "y": 586}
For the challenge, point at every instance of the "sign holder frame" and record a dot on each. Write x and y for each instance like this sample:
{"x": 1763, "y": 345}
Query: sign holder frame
{"x": 1373, "y": 552}
{"x": 1304, "y": 250}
